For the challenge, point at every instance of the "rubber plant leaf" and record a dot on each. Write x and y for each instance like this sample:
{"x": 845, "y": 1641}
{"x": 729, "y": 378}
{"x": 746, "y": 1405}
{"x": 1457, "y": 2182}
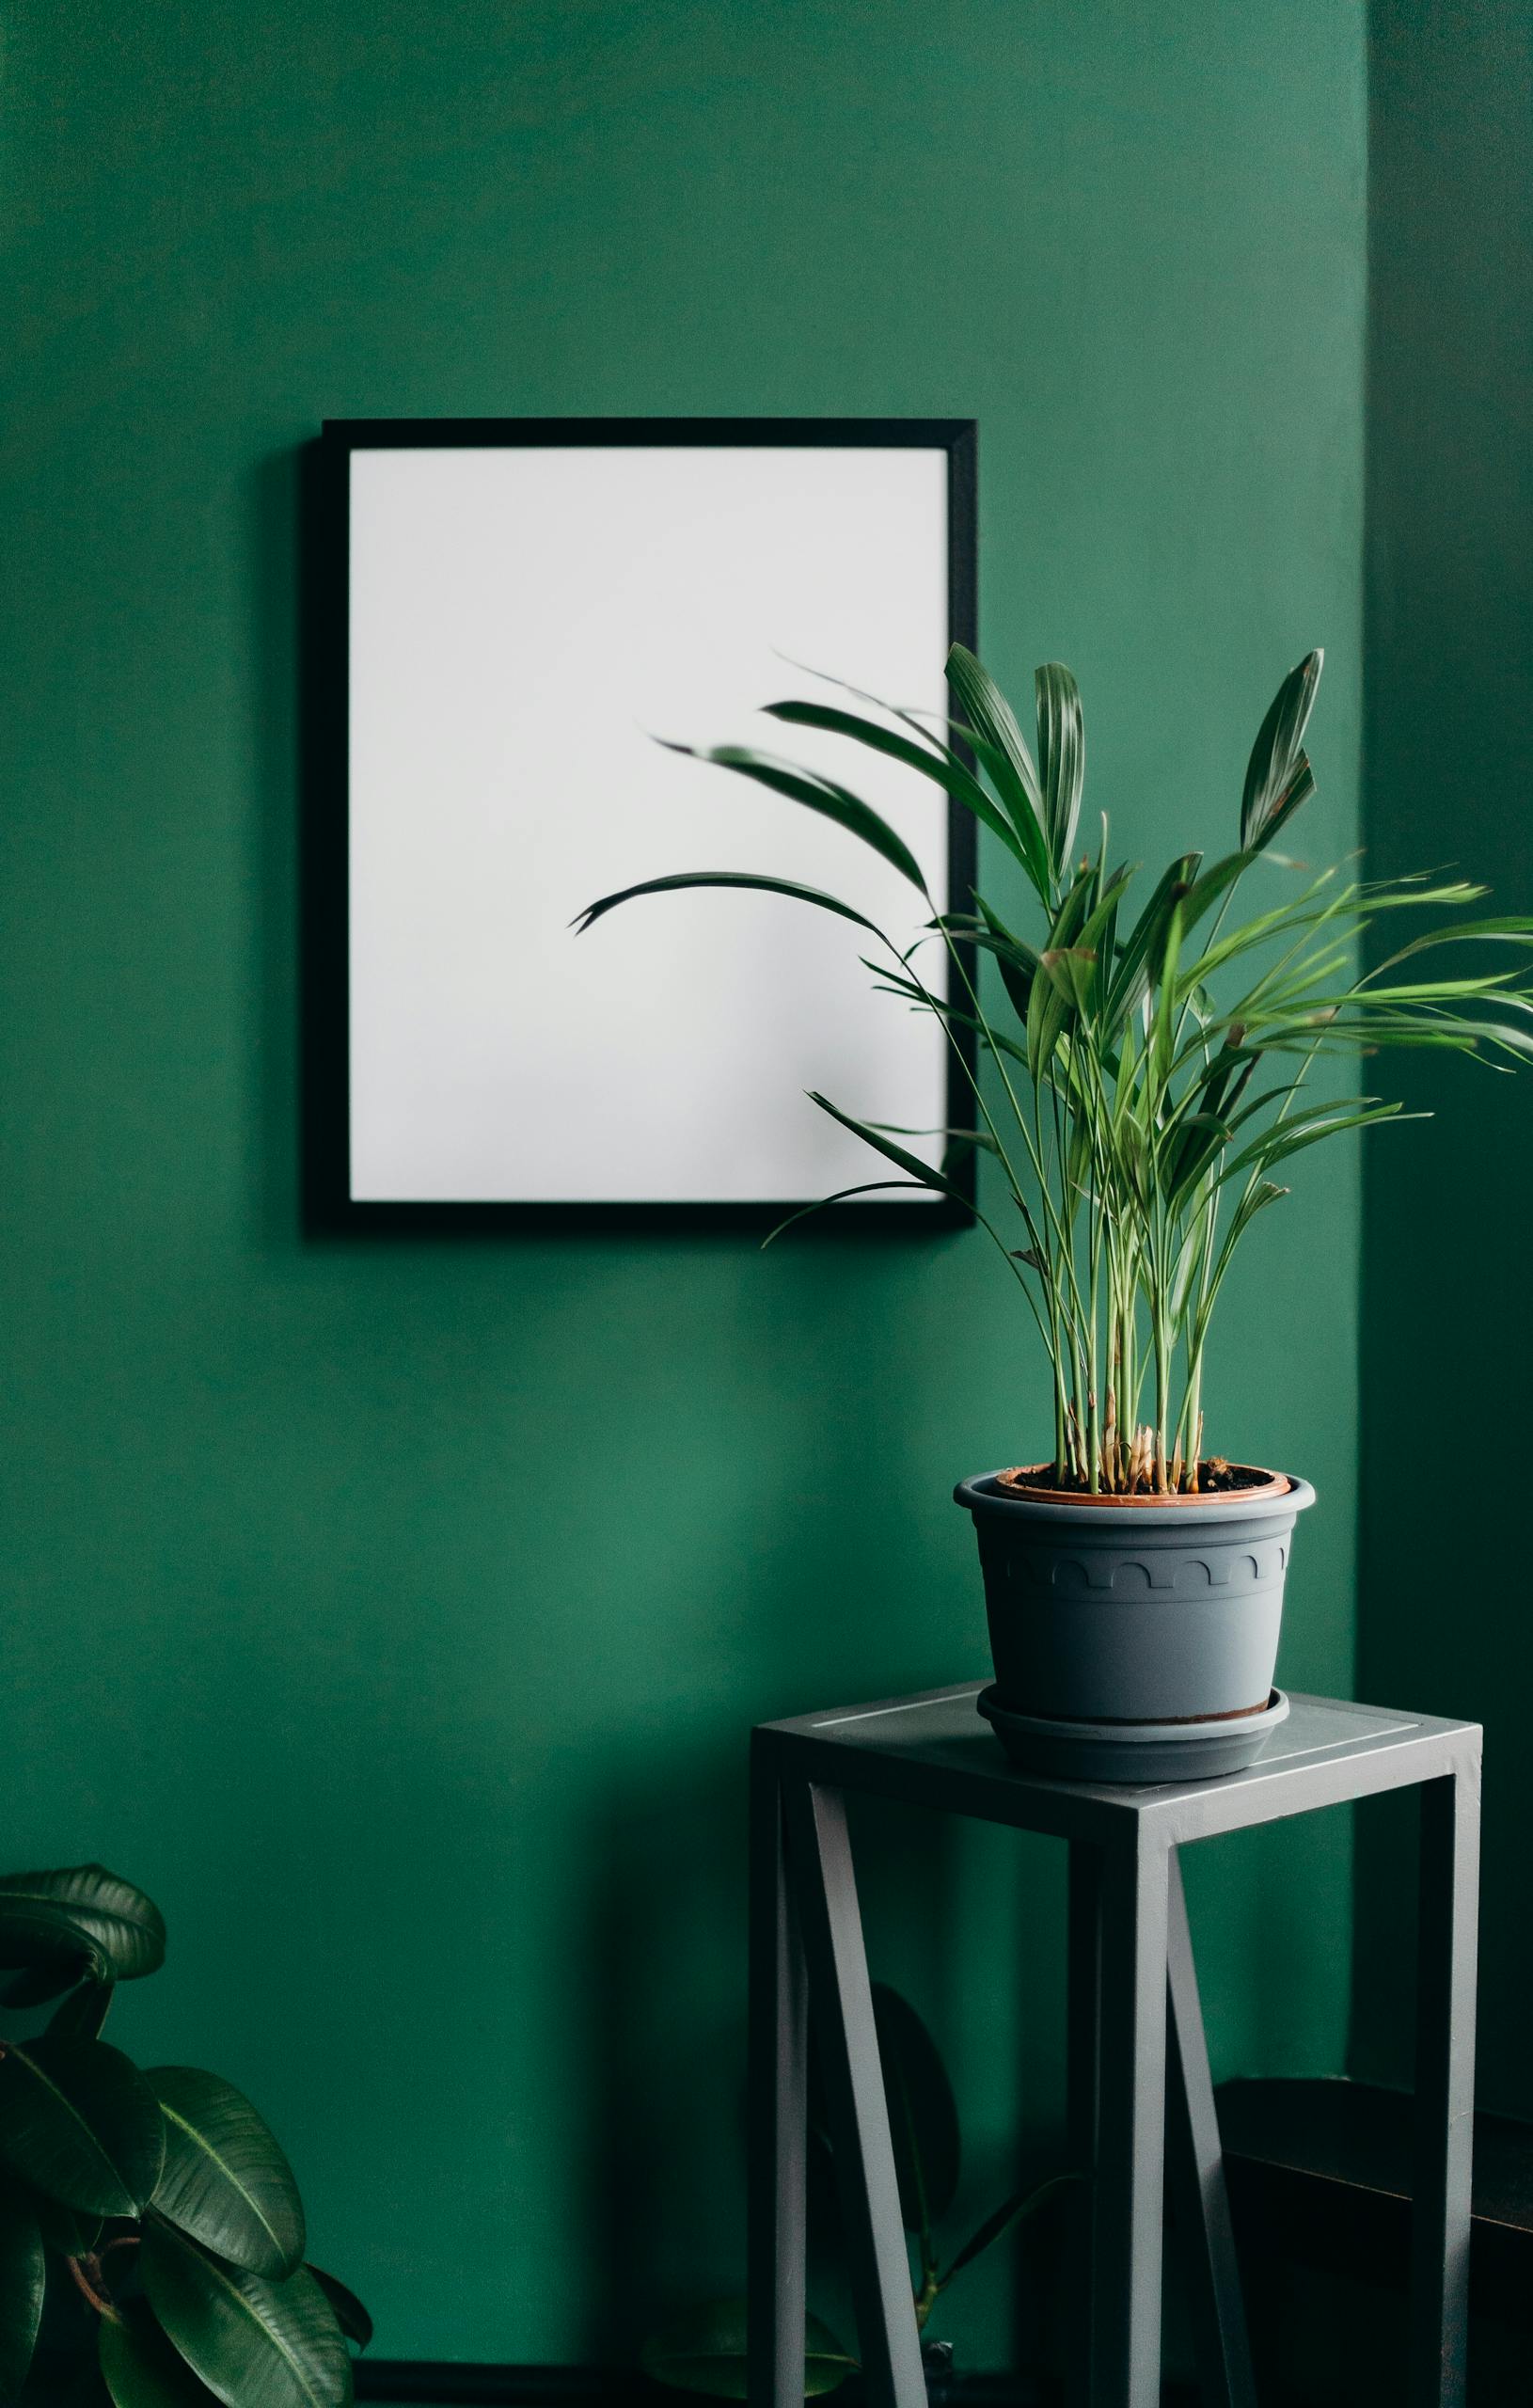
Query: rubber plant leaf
{"x": 350, "y": 2314}
{"x": 79, "y": 2122}
{"x": 81, "y": 2014}
{"x": 922, "y": 2117}
{"x": 141, "y": 2368}
{"x": 818, "y": 794}
{"x": 706, "y": 2351}
{"x": 738, "y": 877}
{"x": 249, "y": 2338}
{"x": 225, "y": 2181}
{"x": 76, "y": 1916}
{"x": 1062, "y": 757}
{"x": 68, "y": 2231}
{"x": 23, "y": 2278}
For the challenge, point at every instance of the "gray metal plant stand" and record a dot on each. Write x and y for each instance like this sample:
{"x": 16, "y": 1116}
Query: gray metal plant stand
{"x": 1132, "y": 2004}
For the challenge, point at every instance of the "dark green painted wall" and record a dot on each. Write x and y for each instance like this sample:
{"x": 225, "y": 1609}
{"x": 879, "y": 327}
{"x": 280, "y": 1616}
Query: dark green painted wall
{"x": 396, "y": 1610}
{"x": 1447, "y": 1313}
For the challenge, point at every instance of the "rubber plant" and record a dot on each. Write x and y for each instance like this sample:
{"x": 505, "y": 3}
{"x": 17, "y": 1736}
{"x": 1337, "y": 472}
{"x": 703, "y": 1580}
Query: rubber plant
{"x": 149, "y": 2216}
{"x": 1144, "y": 1069}
{"x": 704, "y": 2350}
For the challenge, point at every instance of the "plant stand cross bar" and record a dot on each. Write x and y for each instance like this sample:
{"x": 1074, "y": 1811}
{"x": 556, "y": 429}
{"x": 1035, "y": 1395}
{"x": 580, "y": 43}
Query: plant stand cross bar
{"x": 1133, "y": 2020}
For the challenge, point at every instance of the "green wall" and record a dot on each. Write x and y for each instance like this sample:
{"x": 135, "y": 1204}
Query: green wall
{"x": 1447, "y": 1313}
{"x": 396, "y": 1610}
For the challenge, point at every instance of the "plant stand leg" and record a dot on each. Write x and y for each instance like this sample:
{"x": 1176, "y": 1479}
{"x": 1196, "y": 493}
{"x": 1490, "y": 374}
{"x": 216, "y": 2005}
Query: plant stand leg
{"x": 1131, "y": 2155}
{"x": 1444, "y": 2087}
{"x": 1196, "y": 2167}
{"x": 1083, "y": 2047}
{"x": 820, "y": 1863}
{"x": 778, "y": 2048}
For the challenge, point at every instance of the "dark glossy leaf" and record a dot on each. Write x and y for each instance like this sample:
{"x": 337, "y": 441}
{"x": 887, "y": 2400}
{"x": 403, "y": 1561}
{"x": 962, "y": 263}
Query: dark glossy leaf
{"x": 81, "y": 2014}
{"x": 706, "y": 2351}
{"x": 821, "y": 795}
{"x": 251, "y": 2340}
{"x": 79, "y": 2123}
{"x": 79, "y": 1914}
{"x": 350, "y": 2314}
{"x": 922, "y": 2118}
{"x": 1062, "y": 757}
{"x": 224, "y": 2180}
{"x": 23, "y": 2277}
{"x": 749, "y": 878}
{"x": 69, "y": 2231}
{"x": 1278, "y": 776}
{"x": 143, "y": 2369}
{"x": 1023, "y": 2203}
{"x": 940, "y": 767}
{"x": 39, "y": 1982}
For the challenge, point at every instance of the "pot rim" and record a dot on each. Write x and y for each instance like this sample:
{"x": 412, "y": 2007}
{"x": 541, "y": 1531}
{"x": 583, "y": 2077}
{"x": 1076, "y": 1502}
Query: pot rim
{"x": 981, "y": 1494}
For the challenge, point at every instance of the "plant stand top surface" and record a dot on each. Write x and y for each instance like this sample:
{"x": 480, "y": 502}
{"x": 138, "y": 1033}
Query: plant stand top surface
{"x": 933, "y": 1749}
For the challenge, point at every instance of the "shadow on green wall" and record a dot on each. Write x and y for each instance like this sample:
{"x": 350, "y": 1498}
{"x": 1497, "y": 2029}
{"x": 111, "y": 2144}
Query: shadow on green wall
{"x": 1448, "y": 1267}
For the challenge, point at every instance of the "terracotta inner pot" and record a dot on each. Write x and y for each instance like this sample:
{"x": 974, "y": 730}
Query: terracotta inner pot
{"x": 1030, "y": 1481}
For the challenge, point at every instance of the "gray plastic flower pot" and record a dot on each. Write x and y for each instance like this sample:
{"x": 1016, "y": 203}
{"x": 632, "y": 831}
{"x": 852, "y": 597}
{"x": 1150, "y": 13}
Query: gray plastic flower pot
{"x": 1133, "y": 1611}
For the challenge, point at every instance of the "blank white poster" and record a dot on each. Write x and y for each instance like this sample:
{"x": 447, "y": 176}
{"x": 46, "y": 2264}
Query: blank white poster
{"x": 523, "y": 621}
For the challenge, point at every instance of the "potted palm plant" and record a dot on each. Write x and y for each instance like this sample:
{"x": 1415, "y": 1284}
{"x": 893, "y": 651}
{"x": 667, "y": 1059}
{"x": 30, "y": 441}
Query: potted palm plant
{"x": 1144, "y": 1069}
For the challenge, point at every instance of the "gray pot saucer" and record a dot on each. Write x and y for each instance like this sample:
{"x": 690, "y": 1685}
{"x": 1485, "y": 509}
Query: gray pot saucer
{"x": 1132, "y": 1752}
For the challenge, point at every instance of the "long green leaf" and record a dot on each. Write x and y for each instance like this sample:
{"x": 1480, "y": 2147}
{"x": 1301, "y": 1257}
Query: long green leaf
{"x": 23, "y": 2278}
{"x": 255, "y": 2343}
{"x": 728, "y": 878}
{"x": 940, "y": 768}
{"x": 822, "y": 794}
{"x": 1006, "y": 758}
{"x": 1056, "y": 997}
{"x": 1020, "y": 2204}
{"x": 1062, "y": 757}
{"x": 79, "y": 2122}
{"x": 1164, "y": 1030}
{"x": 921, "y": 1173}
{"x": 1293, "y": 1135}
{"x": 1278, "y": 776}
{"x": 1143, "y": 946}
{"x": 225, "y": 2181}
{"x": 842, "y": 1196}
{"x": 706, "y": 2351}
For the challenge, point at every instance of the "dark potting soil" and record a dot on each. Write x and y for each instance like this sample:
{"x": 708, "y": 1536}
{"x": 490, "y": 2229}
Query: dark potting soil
{"x": 1215, "y": 1478}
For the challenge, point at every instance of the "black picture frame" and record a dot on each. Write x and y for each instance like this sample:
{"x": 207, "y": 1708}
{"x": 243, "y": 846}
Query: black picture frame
{"x": 328, "y": 1204}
